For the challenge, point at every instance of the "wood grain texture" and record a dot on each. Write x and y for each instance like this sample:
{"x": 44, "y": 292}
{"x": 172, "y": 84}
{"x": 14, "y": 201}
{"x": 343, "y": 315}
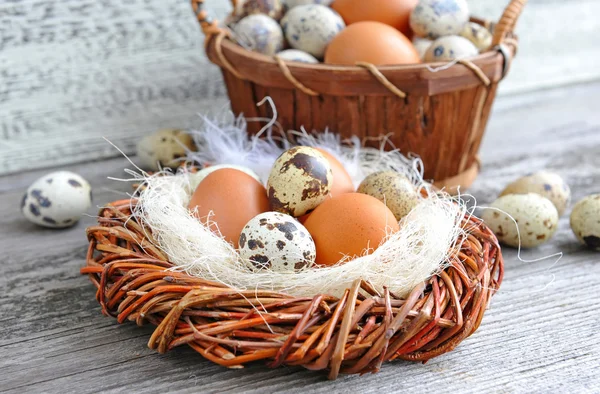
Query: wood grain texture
{"x": 442, "y": 129}
{"x": 540, "y": 334}
{"x": 73, "y": 71}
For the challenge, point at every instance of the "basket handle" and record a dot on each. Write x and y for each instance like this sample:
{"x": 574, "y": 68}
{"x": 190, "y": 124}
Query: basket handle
{"x": 508, "y": 21}
{"x": 211, "y": 29}
{"x": 209, "y": 25}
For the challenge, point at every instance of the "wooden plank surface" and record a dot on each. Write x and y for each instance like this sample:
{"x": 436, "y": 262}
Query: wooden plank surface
{"x": 539, "y": 335}
{"x": 73, "y": 71}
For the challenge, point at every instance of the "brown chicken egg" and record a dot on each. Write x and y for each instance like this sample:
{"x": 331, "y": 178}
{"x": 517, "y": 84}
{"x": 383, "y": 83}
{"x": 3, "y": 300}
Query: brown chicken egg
{"x": 395, "y": 13}
{"x": 342, "y": 182}
{"x": 349, "y": 224}
{"x": 371, "y": 42}
{"x": 231, "y": 198}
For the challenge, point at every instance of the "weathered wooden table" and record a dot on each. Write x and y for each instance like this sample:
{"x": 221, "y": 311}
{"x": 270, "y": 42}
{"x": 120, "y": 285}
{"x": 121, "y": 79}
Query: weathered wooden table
{"x": 541, "y": 333}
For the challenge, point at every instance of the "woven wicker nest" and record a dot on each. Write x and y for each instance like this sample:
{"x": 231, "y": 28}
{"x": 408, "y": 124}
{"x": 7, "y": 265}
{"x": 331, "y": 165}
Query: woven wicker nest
{"x": 352, "y": 334}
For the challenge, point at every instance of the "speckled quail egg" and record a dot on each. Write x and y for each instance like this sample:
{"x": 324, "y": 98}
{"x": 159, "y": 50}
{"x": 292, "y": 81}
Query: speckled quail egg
{"x": 585, "y": 221}
{"x": 276, "y": 241}
{"x": 393, "y": 189}
{"x": 311, "y": 27}
{"x": 300, "y": 180}
{"x": 197, "y": 177}
{"x": 259, "y": 33}
{"x": 546, "y": 184}
{"x": 164, "y": 148}
{"x": 295, "y": 55}
{"x": 448, "y": 48}
{"x": 293, "y": 3}
{"x": 421, "y": 45}
{"x": 436, "y": 18}
{"x": 243, "y": 8}
{"x": 478, "y": 35}
{"x": 57, "y": 199}
{"x": 536, "y": 217}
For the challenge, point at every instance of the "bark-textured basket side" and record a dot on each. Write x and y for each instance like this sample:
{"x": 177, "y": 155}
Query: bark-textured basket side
{"x": 434, "y": 126}
{"x": 352, "y": 334}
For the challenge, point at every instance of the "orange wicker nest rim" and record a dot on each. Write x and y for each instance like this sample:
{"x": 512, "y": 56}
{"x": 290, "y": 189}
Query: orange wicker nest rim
{"x": 352, "y": 334}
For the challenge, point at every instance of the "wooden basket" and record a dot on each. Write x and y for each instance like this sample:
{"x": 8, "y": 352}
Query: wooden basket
{"x": 352, "y": 334}
{"x": 441, "y": 116}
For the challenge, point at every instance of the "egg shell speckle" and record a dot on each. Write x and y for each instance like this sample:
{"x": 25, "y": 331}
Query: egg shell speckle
{"x": 57, "y": 200}
{"x": 311, "y": 27}
{"x": 300, "y": 180}
{"x": 199, "y": 176}
{"x": 278, "y": 242}
{"x": 448, "y": 48}
{"x": 295, "y": 55}
{"x": 478, "y": 35}
{"x": 393, "y": 189}
{"x": 436, "y": 18}
{"x": 546, "y": 184}
{"x": 259, "y": 33}
{"x": 585, "y": 221}
{"x": 536, "y": 217}
{"x": 164, "y": 148}
{"x": 342, "y": 181}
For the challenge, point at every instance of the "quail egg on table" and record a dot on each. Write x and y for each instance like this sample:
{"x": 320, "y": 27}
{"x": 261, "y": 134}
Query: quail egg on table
{"x": 197, "y": 177}
{"x": 57, "y": 200}
{"x": 271, "y": 8}
{"x": 449, "y": 48}
{"x": 478, "y": 35}
{"x": 393, "y": 189}
{"x": 546, "y": 184}
{"x": 311, "y": 27}
{"x": 295, "y": 55}
{"x": 300, "y": 180}
{"x": 164, "y": 148}
{"x": 278, "y": 242}
{"x": 437, "y": 18}
{"x": 259, "y": 33}
{"x": 536, "y": 217}
{"x": 585, "y": 221}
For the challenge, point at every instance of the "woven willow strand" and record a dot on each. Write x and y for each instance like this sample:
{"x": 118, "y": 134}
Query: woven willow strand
{"x": 352, "y": 334}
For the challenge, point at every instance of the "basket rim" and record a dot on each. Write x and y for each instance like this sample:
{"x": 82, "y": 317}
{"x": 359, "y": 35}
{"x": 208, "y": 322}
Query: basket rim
{"x": 338, "y": 80}
{"x": 355, "y": 333}
{"x": 231, "y": 46}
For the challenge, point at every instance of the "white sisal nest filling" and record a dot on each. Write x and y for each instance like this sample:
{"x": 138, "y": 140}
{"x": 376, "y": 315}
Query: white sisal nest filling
{"x": 406, "y": 258}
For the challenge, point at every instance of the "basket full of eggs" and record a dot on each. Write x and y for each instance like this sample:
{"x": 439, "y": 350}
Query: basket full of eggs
{"x": 422, "y": 72}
